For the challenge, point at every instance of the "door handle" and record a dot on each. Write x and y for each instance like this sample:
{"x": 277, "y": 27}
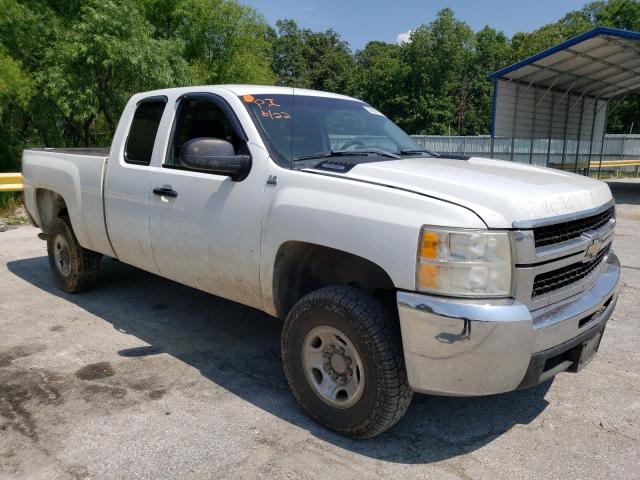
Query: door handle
{"x": 165, "y": 191}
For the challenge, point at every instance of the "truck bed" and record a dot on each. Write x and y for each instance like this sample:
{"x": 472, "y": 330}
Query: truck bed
{"x": 76, "y": 175}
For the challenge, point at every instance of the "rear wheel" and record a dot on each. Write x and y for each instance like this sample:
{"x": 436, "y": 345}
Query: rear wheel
{"x": 343, "y": 360}
{"x": 74, "y": 268}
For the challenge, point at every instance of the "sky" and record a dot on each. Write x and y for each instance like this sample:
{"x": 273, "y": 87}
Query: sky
{"x": 360, "y": 21}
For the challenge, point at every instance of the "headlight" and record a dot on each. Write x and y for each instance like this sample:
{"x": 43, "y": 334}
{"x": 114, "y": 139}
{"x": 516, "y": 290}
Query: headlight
{"x": 464, "y": 262}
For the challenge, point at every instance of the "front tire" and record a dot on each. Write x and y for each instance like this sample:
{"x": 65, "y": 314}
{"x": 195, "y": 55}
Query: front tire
{"x": 342, "y": 357}
{"x": 74, "y": 269}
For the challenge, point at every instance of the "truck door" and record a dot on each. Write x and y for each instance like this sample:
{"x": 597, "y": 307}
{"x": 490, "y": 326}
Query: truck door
{"x": 205, "y": 228}
{"x": 127, "y": 191}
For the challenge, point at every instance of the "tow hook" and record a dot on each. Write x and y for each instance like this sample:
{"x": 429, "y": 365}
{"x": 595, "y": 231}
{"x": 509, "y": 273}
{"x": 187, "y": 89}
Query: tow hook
{"x": 43, "y": 236}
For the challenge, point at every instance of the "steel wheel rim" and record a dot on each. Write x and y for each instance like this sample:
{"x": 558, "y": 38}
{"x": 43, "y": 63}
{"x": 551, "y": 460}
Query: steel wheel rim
{"x": 61, "y": 255}
{"x": 333, "y": 366}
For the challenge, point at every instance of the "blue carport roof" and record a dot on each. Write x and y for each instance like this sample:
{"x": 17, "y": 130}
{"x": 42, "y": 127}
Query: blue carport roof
{"x": 603, "y": 62}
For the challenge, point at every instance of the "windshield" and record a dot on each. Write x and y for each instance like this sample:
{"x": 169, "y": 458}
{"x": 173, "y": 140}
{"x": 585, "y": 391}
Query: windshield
{"x": 299, "y": 129}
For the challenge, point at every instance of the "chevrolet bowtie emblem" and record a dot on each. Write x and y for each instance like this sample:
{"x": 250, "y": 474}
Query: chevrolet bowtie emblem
{"x": 593, "y": 249}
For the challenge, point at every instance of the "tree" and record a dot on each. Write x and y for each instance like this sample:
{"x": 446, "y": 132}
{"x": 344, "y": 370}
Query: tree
{"x": 307, "y": 59}
{"x": 97, "y": 64}
{"x": 616, "y": 13}
{"x": 224, "y": 42}
{"x": 438, "y": 85}
{"x": 23, "y": 35}
{"x": 16, "y": 90}
{"x": 490, "y": 49}
{"x": 289, "y": 55}
{"x": 381, "y": 78}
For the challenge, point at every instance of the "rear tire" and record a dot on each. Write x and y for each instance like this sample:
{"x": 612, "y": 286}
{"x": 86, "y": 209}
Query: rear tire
{"x": 342, "y": 356}
{"x": 74, "y": 269}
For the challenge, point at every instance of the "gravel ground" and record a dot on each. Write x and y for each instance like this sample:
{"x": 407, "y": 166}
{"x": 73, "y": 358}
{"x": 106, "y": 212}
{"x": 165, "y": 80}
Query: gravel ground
{"x": 145, "y": 378}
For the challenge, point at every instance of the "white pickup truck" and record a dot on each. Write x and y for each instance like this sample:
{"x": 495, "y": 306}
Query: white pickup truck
{"x": 395, "y": 269}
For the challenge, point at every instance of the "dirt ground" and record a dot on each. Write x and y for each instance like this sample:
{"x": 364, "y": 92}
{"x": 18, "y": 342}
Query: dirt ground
{"x": 144, "y": 378}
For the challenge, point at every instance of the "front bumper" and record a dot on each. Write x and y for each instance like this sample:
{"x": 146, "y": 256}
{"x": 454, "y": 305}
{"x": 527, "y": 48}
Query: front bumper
{"x": 482, "y": 347}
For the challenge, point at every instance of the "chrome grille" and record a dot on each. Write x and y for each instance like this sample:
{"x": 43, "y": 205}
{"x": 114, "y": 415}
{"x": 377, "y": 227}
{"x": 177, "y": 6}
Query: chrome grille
{"x": 552, "y": 234}
{"x": 564, "y": 276}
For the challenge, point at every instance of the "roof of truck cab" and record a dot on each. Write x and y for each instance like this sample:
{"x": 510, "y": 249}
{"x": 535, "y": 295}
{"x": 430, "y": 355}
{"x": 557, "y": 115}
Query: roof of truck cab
{"x": 238, "y": 89}
{"x": 272, "y": 90}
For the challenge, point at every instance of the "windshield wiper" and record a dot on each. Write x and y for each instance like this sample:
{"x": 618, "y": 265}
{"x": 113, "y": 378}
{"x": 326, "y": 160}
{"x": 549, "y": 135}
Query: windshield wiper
{"x": 342, "y": 153}
{"x": 419, "y": 150}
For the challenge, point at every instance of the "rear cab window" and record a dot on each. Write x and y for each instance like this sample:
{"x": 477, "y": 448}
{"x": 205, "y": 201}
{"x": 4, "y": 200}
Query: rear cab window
{"x": 143, "y": 130}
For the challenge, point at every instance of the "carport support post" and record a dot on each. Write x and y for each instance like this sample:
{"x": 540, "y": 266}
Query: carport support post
{"x": 604, "y": 132}
{"x": 579, "y": 135}
{"x": 564, "y": 133}
{"x": 551, "y": 120}
{"x": 533, "y": 123}
{"x": 493, "y": 115}
{"x": 515, "y": 120}
{"x": 593, "y": 130}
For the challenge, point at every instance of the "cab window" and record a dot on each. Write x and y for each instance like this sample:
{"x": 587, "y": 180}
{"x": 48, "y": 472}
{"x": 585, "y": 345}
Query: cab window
{"x": 201, "y": 118}
{"x": 143, "y": 131}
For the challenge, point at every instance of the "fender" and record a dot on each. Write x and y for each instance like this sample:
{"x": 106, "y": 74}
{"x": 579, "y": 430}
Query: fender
{"x": 375, "y": 222}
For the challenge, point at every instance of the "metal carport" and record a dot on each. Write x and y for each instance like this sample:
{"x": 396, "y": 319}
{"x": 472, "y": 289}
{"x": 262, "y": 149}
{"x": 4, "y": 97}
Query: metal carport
{"x": 552, "y": 108}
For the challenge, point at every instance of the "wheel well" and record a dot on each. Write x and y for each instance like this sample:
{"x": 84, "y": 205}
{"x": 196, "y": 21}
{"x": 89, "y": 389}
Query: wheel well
{"x": 304, "y": 267}
{"x": 50, "y": 205}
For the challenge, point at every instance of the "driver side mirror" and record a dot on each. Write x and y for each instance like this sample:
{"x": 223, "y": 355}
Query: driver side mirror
{"x": 215, "y": 155}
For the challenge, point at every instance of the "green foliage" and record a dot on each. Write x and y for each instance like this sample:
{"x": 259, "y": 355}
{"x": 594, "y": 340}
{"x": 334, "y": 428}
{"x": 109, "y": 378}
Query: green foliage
{"x": 490, "y": 48}
{"x": 438, "y": 84}
{"x": 306, "y": 59}
{"x": 15, "y": 84}
{"x": 9, "y": 202}
{"x": 67, "y": 67}
{"x": 16, "y": 90}
{"x": 224, "y": 42}
{"x": 380, "y": 77}
{"x": 617, "y": 13}
{"x": 108, "y": 54}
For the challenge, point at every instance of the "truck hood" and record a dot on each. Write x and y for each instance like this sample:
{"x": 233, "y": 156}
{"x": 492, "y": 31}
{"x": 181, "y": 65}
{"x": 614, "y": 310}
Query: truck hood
{"x": 500, "y": 192}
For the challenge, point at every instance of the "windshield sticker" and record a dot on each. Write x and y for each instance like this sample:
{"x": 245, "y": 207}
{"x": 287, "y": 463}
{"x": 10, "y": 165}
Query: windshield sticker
{"x": 373, "y": 111}
{"x": 248, "y": 98}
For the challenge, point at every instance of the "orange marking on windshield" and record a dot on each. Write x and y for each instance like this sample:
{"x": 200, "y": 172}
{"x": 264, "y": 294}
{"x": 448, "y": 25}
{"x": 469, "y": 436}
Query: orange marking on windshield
{"x": 276, "y": 115}
{"x": 265, "y": 104}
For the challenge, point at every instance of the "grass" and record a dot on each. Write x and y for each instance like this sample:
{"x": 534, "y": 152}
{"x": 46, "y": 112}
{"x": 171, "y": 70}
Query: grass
{"x": 9, "y": 203}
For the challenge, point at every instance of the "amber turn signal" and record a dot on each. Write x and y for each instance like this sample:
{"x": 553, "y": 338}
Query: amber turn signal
{"x": 429, "y": 245}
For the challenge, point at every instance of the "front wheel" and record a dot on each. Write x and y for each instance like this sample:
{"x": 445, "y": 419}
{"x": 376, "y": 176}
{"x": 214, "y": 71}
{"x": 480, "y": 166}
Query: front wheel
{"x": 343, "y": 360}
{"x": 74, "y": 268}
